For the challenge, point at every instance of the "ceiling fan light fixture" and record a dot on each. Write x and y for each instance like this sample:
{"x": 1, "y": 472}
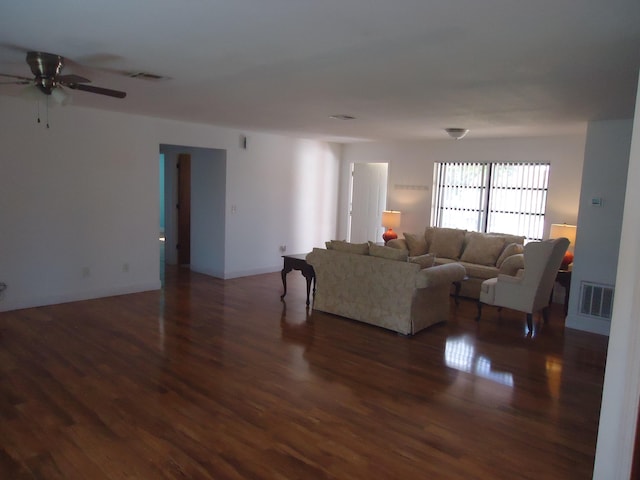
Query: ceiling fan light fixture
{"x": 60, "y": 96}
{"x": 457, "y": 133}
{"x": 31, "y": 92}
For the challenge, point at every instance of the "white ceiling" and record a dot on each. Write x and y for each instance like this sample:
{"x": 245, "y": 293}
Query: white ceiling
{"x": 403, "y": 68}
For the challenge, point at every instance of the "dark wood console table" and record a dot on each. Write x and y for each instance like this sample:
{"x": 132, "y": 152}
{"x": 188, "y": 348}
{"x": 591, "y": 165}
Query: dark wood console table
{"x": 563, "y": 277}
{"x": 298, "y": 262}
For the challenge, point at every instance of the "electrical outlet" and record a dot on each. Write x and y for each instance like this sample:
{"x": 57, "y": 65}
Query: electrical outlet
{"x": 125, "y": 268}
{"x": 86, "y": 272}
{"x": 283, "y": 248}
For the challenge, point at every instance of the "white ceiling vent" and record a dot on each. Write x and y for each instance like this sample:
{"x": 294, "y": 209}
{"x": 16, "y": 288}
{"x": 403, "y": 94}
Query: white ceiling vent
{"x": 596, "y": 300}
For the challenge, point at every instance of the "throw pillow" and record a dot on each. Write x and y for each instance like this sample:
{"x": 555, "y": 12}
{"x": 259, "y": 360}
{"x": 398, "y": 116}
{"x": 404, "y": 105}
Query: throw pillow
{"x": 511, "y": 249}
{"x": 447, "y": 242}
{"x": 482, "y": 249}
{"x": 425, "y": 261}
{"x": 428, "y": 235}
{"x": 342, "y": 246}
{"x": 329, "y": 244}
{"x": 512, "y": 265}
{"x": 508, "y": 238}
{"x": 416, "y": 244}
{"x": 387, "y": 252}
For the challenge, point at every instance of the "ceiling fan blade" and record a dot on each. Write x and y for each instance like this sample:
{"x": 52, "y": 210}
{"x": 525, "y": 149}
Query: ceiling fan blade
{"x": 72, "y": 78}
{"x": 15, "y": 82}
{"x": 98, "y": 90}
{"x": 24, "y": 80}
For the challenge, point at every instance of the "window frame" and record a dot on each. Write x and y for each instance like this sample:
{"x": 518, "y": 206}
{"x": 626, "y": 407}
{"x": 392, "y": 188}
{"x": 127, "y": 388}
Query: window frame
{"x": 494, "y": 184}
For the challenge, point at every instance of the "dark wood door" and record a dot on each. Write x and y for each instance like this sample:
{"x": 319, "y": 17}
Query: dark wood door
{"x": 184, "y": 209}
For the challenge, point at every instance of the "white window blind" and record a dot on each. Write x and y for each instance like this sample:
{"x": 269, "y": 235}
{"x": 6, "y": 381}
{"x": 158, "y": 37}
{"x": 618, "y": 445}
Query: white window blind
{"x": 491, "y": 197}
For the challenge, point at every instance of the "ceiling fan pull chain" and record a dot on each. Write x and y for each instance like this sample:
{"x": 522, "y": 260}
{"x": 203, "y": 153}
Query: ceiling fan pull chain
{"x": 47, "y": 111}
{"x": 38, "y": 103}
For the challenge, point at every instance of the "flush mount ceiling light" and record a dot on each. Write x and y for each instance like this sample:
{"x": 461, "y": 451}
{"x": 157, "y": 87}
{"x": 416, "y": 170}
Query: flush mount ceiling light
{"x": 457, "y": 133}
{"x": 342, "y": 117}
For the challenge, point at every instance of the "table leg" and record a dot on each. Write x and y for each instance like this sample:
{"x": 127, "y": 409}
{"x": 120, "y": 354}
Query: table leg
{"x": 283, "y": 274}
{"x": 308, "y": 279}
{"x": 309, "y": 275}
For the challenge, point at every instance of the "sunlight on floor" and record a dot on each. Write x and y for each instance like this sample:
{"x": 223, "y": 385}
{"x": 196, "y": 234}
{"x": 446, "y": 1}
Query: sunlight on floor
{"x": 460, "y": 354}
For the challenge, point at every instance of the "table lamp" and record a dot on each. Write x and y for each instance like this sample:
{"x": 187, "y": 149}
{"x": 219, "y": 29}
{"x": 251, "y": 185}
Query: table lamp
{"x": 390, "y": 220}
{"x": 559, "y": 230}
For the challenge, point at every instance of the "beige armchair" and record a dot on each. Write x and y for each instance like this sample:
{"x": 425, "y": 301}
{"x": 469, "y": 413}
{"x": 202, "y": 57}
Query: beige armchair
{"x": 530, "y": 291}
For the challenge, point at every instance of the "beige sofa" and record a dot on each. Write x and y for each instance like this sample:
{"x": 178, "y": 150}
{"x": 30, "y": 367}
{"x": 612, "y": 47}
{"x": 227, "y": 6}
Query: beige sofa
{"x": 483, "y": 255}
{"x": 361, "y": 284}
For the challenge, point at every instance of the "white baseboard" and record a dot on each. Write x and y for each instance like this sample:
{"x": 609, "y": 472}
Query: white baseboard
{"x": 588, "y": 324}
{"x": 207, "y": 271}
{"x": 247, "y": 273}
{"x": 6, "y": 306}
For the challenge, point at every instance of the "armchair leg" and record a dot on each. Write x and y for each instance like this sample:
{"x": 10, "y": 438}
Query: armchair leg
{"x": 530, "y": 321}
{"x": 545, "y": 315}
{"x": 479, "y": 304}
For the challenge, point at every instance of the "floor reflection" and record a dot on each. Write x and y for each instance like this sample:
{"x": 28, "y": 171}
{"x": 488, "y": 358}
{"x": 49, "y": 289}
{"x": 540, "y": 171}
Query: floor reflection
{"x": 300, "y": 336}
{"x": 460, "y": 353}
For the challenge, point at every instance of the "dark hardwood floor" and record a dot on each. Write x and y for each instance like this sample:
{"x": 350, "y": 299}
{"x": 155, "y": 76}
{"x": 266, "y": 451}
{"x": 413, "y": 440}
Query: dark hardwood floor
{"x": 220, "y": 379}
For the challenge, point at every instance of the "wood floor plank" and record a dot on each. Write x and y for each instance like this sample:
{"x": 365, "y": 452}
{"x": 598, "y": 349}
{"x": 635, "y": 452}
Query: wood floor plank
{"x": 220, "y": 379}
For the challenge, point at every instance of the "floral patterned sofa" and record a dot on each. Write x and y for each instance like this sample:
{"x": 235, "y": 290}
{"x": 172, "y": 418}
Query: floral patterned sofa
{"x": 483, "y": 255}
{"x": 373, "y": 284}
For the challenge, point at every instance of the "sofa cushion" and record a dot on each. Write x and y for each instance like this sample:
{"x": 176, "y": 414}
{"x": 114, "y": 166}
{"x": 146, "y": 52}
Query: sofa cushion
{"x": 512, "y": 265}
{"x": 443, "y": 261}
{"x": 416, "y": 244}
{"x": 480, "y": 271}
{"x": 428, "y": 235}
{"x": 510, "y": 249}
{"x": 425, "y": 261}
{"x": 398, "y": 243}
{"x": 342, "y": 246}
{"x": 387, "y": 252}
{"x": 482, "y": 249}
{"x": 447, "y": 242}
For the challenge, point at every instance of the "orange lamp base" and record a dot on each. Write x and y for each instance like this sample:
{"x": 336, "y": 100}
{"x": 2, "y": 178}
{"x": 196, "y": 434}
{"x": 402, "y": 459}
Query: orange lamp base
{"x": 389, "y": 235}
{"x": 566, "y": 261}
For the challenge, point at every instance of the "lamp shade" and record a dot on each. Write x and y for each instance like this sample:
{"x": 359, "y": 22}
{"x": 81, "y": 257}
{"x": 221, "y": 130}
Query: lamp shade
{"x": 391, "y": 219}
{"x": 559, "y": 230}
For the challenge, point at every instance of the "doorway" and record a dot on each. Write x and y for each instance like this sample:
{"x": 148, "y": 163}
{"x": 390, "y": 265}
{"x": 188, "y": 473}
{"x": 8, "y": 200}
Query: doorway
{"x": 194, "y": 207}
{"x": 368, "y": 199}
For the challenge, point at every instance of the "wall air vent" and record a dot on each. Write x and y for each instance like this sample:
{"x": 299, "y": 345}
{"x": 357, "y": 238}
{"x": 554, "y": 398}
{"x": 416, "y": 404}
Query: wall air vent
{"x": 146, "y": 76}
{"x": 596, "y": 300}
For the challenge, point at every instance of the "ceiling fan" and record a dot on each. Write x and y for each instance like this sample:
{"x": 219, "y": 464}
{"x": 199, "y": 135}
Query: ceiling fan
{"x": 47, "y": 71}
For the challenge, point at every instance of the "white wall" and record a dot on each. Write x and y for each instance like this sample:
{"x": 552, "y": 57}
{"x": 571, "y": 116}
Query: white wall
{"x": 208, "y": 193}
{"x": 621, "y": 394}
{"x": 279, "y": 193}
{"x": 411, "y": 171}
{"x": 82, "y": 197}
{"x": 604, "y": 176}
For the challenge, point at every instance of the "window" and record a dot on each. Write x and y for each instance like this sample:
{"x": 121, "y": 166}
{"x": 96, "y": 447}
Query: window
{"x": 491, "y": 197}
